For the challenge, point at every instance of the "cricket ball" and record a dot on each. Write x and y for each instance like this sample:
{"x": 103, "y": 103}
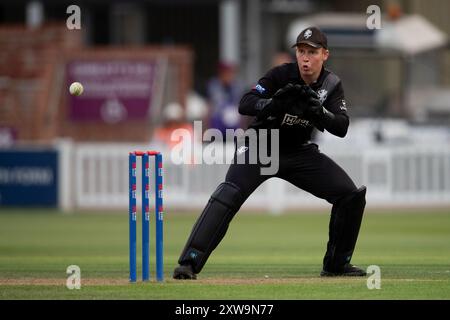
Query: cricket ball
{"x": 76, "y": 89}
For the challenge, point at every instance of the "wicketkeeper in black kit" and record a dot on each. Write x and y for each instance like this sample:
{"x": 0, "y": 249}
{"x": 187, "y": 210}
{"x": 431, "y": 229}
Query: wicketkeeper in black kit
{"x": 294, "y": 98}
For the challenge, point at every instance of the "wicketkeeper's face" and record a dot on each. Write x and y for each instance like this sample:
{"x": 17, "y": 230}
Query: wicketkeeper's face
{"x": 310, "y": 60}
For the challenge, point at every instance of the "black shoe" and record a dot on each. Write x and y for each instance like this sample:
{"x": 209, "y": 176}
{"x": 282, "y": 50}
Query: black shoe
{"x": 349, "y": 270}
{"x": 184, "y": 271}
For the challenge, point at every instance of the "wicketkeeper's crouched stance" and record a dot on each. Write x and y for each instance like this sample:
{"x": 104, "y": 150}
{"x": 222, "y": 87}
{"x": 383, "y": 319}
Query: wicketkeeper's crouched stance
{"x": 294, "y": 98}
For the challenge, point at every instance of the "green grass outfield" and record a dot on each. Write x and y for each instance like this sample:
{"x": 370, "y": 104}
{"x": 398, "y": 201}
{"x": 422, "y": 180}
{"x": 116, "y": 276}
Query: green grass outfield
{"x": 261, "y": 257}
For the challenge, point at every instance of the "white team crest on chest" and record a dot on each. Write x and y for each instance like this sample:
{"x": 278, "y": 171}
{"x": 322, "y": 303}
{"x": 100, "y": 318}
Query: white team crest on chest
{"x": 322, "y": 94}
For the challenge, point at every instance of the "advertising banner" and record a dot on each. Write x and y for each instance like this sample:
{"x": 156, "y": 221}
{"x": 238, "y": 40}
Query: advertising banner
{"x": 114, "y": 90}
{"x": 28, "y": 178}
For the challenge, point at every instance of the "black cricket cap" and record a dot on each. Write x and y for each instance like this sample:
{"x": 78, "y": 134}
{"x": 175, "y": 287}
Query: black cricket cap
{"x": 312, "y": 36}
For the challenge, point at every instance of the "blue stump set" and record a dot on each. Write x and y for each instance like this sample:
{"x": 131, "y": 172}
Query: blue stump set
{"x": 146, "y": 214}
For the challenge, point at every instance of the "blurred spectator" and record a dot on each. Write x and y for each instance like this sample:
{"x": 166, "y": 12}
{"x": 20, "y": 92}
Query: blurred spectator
{"x": 196, "y": 107}
{"x": 7, "y": 137}
{"x": 173, "y": 115}
{"x": 223, "y": 94}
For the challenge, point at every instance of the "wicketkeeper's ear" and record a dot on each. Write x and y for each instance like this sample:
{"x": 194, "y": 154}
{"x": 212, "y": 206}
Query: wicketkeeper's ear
{"x": 326, "y": 54}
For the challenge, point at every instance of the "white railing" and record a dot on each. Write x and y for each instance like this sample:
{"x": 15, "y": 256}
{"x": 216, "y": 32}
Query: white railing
{"x": 415, "y": 175}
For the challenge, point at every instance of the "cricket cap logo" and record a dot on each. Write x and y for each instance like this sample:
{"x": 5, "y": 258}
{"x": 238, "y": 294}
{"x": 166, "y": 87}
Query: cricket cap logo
{"x": 313, "y": 37}
{"x": 308, "y": 34}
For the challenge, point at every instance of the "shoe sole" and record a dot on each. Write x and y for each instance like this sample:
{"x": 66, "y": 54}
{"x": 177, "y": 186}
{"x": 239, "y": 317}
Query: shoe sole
{"x": 179, "y": 275}
{"x": 349, "y": 274}
{"x": 184, "y": 277}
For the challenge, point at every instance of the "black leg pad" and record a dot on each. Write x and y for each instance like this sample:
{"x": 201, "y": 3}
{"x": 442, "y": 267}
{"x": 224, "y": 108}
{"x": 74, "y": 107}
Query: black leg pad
{"x": 212, "y": 225}
{"x": 345, "y": 222}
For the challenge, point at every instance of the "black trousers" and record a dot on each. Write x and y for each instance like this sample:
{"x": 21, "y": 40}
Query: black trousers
{"x": 306, "y": 168}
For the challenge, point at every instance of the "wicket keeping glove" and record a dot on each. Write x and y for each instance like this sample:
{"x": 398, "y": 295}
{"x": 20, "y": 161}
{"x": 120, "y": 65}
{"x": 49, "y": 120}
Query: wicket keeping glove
{"x": 279, "y": 103}
{"x": 316, "y": 113}
{"x": 300, "y": 105}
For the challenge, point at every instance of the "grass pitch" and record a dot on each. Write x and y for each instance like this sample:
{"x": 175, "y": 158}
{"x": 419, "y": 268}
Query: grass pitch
{"x": 261, "y": 257}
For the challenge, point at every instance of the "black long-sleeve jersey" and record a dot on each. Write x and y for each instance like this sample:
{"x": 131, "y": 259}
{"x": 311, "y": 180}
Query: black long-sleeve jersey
{"x": 295, "y": 131}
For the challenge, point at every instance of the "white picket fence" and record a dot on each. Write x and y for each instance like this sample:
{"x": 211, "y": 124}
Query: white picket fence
{"x": 95, "y": 176}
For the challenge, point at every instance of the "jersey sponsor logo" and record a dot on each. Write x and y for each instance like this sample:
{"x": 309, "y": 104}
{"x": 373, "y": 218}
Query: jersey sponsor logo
{"x": 343, "y": 105}
{"x": 322, "y": 95}
{"x": 242, "y": 149}
{"x": 291, "y": 120}
{"x": 259, "y": 88}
